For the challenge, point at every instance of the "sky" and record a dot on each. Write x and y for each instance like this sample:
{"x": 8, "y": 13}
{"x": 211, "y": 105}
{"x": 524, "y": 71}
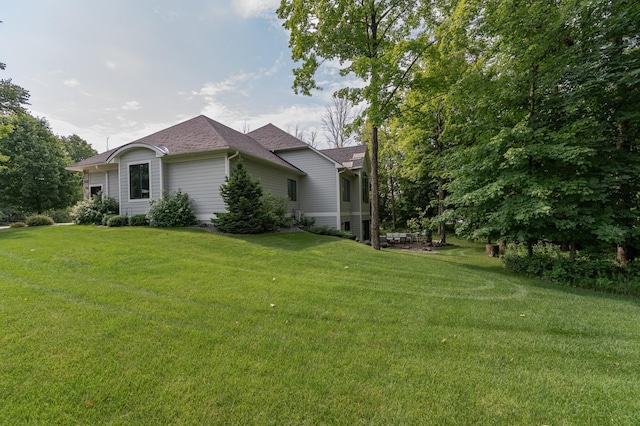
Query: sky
{"x": 115, "y": 71}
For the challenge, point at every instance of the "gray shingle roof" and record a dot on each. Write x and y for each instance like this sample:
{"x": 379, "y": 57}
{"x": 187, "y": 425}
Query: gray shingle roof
{"x": 199, "y": 134}
{"x": 350, "y": 156}
{"x": 274, "y": 139}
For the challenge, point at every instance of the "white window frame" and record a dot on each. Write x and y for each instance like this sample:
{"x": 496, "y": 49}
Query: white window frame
{"x": 128, "y": 172}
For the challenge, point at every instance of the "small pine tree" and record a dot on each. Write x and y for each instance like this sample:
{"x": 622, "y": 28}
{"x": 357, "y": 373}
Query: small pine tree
{"x": 245, "y": 208}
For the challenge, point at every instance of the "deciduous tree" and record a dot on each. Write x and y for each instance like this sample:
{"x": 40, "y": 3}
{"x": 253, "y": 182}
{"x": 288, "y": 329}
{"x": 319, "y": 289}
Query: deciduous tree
{"x": 377, "y": 41}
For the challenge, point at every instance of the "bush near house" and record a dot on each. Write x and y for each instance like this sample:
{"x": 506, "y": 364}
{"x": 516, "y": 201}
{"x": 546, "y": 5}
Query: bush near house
{"x": 39, "y": 220}
{"x": 139, "y": 220}
{"x": 118, "y": 220}
{"x": 171, "y": 210}
{"x": 93, "y": 210}
{"x": 249, "y": 210}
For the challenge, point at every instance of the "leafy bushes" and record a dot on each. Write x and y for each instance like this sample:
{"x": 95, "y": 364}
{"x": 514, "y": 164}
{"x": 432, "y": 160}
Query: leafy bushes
{"x": 139, "y": 220}
{"x": 586, "y": 271}
{"x": 17, "y": 225}
{"x": 39, "y": 220}
{"x": 171, "y": 210}
{"x": 60, "y": 216}
{"x": 325, "y": 230}
{"x": 117, "y": 221}
{"x": 94, "y": 209}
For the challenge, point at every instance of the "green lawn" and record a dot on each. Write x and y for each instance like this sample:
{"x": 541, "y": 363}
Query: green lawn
{"x": 155, "y": 326}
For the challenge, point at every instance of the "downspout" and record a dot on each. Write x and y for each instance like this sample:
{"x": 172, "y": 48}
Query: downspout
{"x": 339, "y": 200}
{"x": 106, "y": 184}
{"x": 227, "y": 166}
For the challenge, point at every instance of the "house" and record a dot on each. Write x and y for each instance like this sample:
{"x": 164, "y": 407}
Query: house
{"x": 331, "y": 186}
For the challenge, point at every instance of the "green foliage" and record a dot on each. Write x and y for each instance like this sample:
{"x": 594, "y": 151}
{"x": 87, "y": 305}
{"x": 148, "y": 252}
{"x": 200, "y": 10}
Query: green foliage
{"x": 106, "y": 217}
{"x": 139, "y": 220}
{"x": 60, "y": 215}
{"x": 35, "y": 179}
{"x": 39, "y": 220}
{"x": 326, "y": 230}
{"x": 171, "y": 210}
{"x": 305, "y": 222}
{"x": 9, "y": 214}
{"x": 76, "y": 148}
{"x": 248, "y": 211}
{"x": 92, "y": 210}
{"x": 13, "y": 98}
{"x": 17, "y": 225}
{"x": 587, "y": 271}
{"x": 275, "y": 212}
{"x": 117, "y": 221}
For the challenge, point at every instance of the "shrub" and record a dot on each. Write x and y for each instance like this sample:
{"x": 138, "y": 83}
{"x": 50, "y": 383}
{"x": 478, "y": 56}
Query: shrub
{"x": 39, "y": 220}
{"x": 275, "y": 209}
{"x": 117, "y": 220}
{"x": 246, "y": 212}
{"x": 592, "y": 271}
{"x": 105, "y": 219}
{"x": 60, "y": 216}
{"x": 10, "y": 214}
{"x": 93, "y": 210}
{"x": 325, "y": 230}
{"x": 17, "y": 225}
{"x": 138, "y": 220}
{"x": 171, "y": 210}
{"x": 306, "y": 222}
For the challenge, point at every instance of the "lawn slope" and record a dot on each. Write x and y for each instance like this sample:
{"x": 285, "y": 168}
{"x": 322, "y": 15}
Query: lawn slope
{"x": 155, "y": 326}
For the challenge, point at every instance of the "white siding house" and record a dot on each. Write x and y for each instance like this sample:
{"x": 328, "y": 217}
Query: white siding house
{"x": 197, "y": 155}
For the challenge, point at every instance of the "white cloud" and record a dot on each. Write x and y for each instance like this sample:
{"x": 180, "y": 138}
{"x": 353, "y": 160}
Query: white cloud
{"x": 72, "y": 82}
{"x": 251, "y": 8}
{"x": 132, "y": 106}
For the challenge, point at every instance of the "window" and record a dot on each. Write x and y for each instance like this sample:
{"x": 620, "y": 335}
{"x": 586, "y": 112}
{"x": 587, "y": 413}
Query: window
{"x": 139, "y": 181}
{"x": 346, "y": 190}
{"x": 95, "y": 190}
{"x": 347, "y": 226}
{"x": 365, "y": 188}
{"x": 292, "y": 190}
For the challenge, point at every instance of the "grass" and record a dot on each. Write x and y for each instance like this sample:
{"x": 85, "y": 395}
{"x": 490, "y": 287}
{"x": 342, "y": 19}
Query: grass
{"x": 153, "y": 326}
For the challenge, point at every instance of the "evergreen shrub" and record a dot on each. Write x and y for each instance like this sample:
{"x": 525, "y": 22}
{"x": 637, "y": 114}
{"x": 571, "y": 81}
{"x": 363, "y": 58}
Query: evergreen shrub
{"x": 39, "y": 220}
{"x": 171, "y": 210}
{"x": 17, "y": 225}
{"x": 248, "y": 211}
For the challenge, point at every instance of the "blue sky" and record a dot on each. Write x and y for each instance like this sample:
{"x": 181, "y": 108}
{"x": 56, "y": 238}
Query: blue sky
{"x": 122, "y": 69}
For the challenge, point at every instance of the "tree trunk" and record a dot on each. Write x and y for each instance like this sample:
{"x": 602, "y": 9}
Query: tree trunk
{"x": 375, "y": 214}
{"x": 442, "y": 227}
{"x": 392, "y": 193}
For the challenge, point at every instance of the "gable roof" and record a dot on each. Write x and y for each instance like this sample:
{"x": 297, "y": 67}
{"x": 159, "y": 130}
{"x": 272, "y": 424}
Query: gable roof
{"x": 351, "y": 157}
{"x": 197, "y": 135}
{"x": 274, "y": 138}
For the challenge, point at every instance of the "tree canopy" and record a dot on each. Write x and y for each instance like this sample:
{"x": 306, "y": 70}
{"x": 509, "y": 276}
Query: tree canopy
{"x": 35, "y": 178}
{"x": 377, "y": 41}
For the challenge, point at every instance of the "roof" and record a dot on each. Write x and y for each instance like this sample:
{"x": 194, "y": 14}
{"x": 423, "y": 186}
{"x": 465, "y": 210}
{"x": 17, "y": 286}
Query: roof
{"x": 199, "y": 134}
{"x": 274, "y": 138}
{"x": 351, "y": 157}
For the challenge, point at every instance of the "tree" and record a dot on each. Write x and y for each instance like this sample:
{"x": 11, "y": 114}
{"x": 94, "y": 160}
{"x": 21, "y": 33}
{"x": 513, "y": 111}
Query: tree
{"x": 545, "y": 123}
{"x": 35, "y": 178}
{"x": 245, "y": 208}
{"x": 76, "y": 148}
{"x": 378, "y": 41}
{"x": 338, "y": 117}
{"x": 12, "y": 98}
